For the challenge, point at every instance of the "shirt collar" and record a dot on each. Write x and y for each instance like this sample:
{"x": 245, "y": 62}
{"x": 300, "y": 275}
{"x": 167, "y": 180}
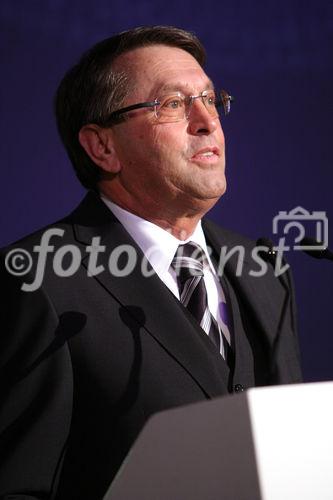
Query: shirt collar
{"x": 158, "y": 245}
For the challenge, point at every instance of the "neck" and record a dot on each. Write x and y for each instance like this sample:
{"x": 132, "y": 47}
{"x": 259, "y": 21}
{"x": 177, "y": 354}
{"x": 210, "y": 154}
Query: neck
{"x": 181, "y": 224}
{"x": 181, "y": 228}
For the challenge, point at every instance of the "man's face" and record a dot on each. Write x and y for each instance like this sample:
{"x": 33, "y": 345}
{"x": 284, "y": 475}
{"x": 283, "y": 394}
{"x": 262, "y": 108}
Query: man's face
{"x": 177, "y": 167}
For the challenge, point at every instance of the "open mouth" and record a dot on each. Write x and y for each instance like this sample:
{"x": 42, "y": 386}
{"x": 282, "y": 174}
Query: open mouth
{"x": 206, "y": 154}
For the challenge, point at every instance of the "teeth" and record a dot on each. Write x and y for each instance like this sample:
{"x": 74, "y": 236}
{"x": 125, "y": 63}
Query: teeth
{"x": 208, "y": 153}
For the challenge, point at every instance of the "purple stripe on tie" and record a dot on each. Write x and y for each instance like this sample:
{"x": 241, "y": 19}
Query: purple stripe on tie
{"x": 224, "y": 314}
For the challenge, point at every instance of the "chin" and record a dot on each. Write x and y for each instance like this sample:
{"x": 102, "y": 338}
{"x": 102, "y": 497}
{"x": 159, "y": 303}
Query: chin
{"x": 207, "y": 198}
{"x": 216, "y": 189}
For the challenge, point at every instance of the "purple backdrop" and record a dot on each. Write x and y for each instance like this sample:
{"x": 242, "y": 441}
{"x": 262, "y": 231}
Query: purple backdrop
{"x": 275, "y": 57}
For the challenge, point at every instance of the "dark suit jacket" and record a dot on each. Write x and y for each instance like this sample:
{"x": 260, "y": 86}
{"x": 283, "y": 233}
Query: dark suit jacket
{"x": 86, "y": 360}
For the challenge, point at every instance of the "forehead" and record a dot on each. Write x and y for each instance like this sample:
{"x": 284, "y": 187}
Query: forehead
{"x": 163, "y": 68}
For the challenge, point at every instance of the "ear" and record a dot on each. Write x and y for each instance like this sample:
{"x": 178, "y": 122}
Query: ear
{"x": 98, "y": 144}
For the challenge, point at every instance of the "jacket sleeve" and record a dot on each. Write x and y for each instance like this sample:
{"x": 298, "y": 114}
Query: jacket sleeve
{"x": 35, "y": 392}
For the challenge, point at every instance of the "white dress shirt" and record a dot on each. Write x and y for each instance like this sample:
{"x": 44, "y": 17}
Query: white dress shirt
{"x": 159, "y": 247}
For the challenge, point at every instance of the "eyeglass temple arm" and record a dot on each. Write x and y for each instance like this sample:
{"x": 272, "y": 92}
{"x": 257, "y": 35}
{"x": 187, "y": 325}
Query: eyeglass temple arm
{"x": 132, "y": 107}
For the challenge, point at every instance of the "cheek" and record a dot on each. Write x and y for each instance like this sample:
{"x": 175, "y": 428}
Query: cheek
{"x": 170, "y": 140}
{"x": 133, "y": 146}
{"x": 220, "y": 133}
{"x": 153, "y": 144}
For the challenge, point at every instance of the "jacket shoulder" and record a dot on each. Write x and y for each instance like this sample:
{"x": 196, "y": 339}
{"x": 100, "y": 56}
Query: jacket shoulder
{"x": 85, "y": 211}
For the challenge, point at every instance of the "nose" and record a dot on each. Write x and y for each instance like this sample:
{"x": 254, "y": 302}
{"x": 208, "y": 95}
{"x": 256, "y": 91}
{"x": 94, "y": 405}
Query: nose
{"x": 200, "y": 121}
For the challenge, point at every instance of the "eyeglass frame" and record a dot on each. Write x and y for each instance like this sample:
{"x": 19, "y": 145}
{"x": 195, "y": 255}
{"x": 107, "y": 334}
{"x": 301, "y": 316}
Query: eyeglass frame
{"x": 150, "y": 104}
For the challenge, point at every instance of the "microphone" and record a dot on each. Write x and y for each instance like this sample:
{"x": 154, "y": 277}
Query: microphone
{"x": 270, "y": 256}
{"x": 317, "y": 253}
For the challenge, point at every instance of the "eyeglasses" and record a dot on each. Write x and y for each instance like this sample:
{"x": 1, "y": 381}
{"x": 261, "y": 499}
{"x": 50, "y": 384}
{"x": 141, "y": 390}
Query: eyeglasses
{"x": 177, "y": 107}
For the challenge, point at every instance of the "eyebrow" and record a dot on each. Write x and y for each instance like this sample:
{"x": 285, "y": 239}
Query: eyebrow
{"x": 180, "y": 86}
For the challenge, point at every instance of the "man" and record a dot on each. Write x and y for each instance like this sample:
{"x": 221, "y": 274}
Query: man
{"x": 91, "y": 350}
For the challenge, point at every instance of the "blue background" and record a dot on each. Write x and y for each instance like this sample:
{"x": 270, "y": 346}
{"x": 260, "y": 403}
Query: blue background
{"x": 275, "y": 57}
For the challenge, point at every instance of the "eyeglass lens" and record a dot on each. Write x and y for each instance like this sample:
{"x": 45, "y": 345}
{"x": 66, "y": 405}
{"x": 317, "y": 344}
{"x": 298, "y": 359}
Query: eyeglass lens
{"x": 176, "y": 107}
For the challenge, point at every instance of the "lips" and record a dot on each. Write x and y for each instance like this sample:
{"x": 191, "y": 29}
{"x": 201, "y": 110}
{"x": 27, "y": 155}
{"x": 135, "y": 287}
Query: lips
{"x": 207, "y": 152}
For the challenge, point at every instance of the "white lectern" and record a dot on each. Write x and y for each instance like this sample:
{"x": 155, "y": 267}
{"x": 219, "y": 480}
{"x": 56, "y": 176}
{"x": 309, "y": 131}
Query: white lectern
{"x": 272, "y": 443}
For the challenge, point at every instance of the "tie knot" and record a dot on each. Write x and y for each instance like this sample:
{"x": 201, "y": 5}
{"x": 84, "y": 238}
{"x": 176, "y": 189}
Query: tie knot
{"x": 188, "y": 261}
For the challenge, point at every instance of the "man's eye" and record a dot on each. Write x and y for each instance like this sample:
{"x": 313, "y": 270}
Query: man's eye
{"x": 211, "y": 100}
{"x": 173, "y": 104}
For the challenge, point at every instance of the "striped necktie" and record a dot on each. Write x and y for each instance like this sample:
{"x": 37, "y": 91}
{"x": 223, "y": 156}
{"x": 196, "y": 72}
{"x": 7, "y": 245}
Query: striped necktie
{"x": 188, "y": 264}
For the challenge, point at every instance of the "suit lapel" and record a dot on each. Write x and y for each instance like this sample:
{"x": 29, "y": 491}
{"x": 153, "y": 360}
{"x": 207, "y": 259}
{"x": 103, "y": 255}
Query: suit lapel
{"x": 262, "y": 300}
{"x": 149, "y": 301}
